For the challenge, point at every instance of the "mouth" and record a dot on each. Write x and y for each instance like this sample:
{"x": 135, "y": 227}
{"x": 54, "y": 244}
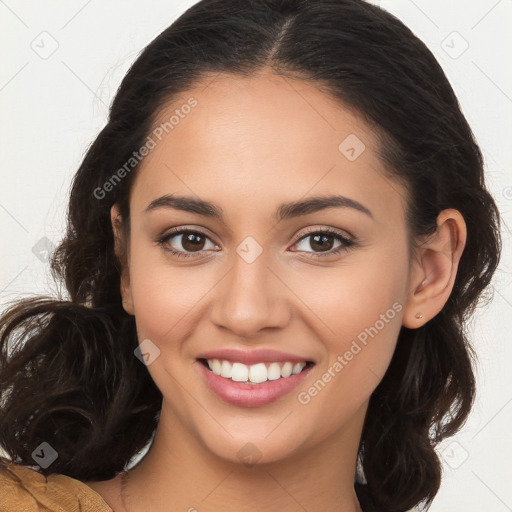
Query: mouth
{"x": 254, "y": 374}
{"x": 252, "y": 378}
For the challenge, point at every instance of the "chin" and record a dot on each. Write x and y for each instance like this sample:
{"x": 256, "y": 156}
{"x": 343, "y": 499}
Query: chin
{"x": 252, "y": 446}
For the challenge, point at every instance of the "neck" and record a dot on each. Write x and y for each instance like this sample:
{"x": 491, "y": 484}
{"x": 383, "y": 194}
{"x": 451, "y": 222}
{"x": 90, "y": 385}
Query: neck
{"x": 179, "y": 470}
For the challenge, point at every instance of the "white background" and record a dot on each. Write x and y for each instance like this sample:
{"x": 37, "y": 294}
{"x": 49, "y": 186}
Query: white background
{"x": 52, "y": 108}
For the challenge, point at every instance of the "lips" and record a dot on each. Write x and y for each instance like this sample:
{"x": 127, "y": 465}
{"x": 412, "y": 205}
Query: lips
{"x": 252, "y": 378}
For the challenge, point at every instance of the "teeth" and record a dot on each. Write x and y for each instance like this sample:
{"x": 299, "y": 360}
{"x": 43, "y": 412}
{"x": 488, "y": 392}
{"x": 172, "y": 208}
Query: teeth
{"x": 255, "y": 373}
{"x": 226, "y": 370}
{"x": 286, "y": 370}
{"x": 239, "y": 372}
{"x": 216, "y": 366}
{"x": 297, "y": 368}
{"x": 274, "y": 371}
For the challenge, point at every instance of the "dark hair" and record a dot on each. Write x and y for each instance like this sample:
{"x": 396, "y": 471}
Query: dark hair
{"x": 71, "y": 377}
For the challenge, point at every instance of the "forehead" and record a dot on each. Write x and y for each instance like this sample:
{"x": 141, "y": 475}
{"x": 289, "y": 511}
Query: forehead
{"x": 263, "y": 139}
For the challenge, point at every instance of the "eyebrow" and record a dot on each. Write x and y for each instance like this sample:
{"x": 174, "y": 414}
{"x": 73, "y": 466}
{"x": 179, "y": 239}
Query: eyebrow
{"x": 283, "y": 212}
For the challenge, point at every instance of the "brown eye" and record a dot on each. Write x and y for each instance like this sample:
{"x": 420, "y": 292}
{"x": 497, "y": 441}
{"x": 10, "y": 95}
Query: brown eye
{"x": 185, "y": 242}
{"x": 192, "y": 242}
{"x": 324, "y": 243}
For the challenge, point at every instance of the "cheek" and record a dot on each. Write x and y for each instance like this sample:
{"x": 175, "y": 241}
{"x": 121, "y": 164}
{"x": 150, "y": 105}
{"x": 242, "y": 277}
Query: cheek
{"x": 365, "y": 320}
{"x": 368, "y": 288}
{"x": 357, "y": 357}
{"x": 164, "y": 293}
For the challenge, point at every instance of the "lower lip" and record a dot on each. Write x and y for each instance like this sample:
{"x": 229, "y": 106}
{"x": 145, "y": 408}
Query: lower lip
{"x": 251, "y": 395}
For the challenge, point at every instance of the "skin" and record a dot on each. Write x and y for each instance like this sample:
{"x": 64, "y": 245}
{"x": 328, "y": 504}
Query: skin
{"x": 250, "y": 145}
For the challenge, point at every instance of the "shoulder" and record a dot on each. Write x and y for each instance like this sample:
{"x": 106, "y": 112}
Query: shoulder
{"x": 23, "y": 489}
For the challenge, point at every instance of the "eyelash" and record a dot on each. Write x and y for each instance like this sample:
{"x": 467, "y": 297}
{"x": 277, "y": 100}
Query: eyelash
{"x": 346, "y": 243}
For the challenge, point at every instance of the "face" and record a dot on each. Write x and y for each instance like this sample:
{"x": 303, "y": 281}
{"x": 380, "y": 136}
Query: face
{"x": 258, "y": 285}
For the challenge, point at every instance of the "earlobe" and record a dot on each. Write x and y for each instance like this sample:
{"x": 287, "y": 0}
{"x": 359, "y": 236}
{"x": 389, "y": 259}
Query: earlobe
{"x": 434, "y": 269}
{"x": 122, "y": 254}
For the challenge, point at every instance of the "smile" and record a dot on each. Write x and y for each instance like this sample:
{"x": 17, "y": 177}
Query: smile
{"x": 253, "y": 383}
{"x": 254, "y": 373}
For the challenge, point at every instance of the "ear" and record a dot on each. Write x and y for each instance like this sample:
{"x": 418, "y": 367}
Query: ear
{"x": 121, "y": 248}
{"x": 434, "y": 269}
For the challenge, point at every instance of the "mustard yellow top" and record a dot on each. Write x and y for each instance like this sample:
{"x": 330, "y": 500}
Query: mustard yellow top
{"x": 23, "y": 489}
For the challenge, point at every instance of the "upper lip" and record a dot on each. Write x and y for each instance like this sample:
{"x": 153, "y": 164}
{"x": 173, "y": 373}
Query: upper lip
{"x": 249, "y": 357}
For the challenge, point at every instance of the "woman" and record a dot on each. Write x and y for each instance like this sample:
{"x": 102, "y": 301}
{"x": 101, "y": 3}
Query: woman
{"x": 273, "y": 247}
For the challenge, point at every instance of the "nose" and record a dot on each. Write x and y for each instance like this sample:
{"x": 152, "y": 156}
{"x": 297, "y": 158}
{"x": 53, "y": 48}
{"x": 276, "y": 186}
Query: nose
{"x": 250, "y": 298}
